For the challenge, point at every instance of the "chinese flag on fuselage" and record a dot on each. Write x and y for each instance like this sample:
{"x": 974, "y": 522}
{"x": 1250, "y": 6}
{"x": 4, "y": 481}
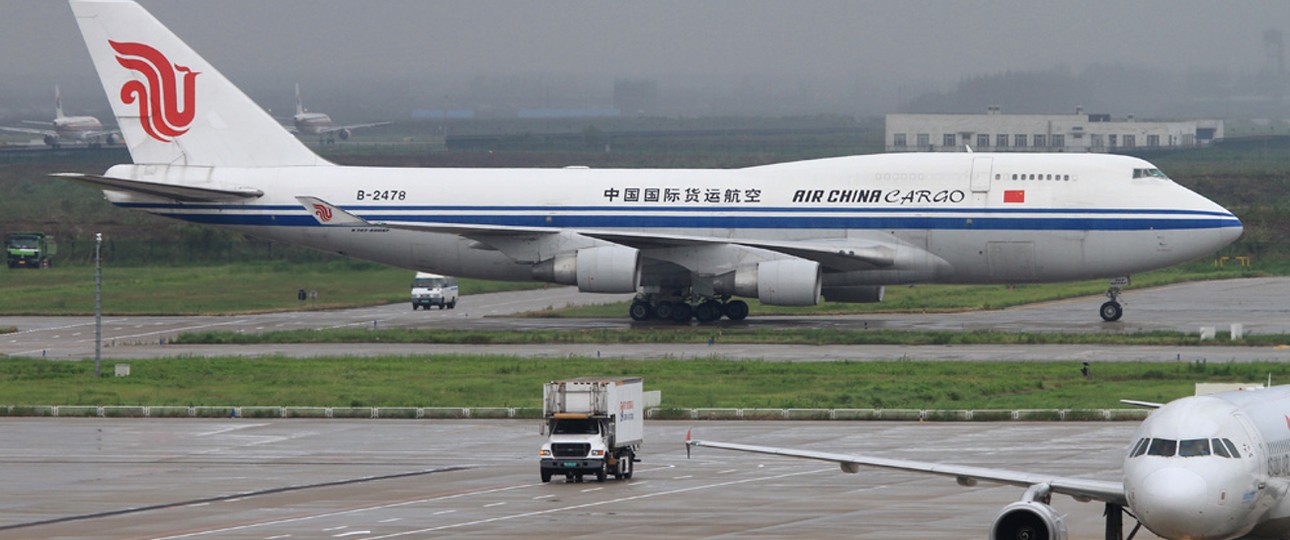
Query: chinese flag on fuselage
{"x": 1014, "y": 196}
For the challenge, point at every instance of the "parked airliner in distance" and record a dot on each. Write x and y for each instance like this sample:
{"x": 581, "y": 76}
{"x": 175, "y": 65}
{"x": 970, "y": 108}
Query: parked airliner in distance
{"x": 1211, "y": 467}
{"x": 316, "y": 123}
{"x": 686, "y": 241}
{"x": 83, "y": 129}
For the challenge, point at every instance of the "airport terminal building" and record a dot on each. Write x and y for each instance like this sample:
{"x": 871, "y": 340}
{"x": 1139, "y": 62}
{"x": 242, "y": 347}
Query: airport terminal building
{"x": 1078, "y": 132}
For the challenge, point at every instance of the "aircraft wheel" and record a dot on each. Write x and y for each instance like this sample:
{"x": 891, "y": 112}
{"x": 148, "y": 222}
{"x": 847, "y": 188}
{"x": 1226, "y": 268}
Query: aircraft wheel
{"x": 737, "y": 310}
{"x": 664, "y": 310}
{"x": 640, "y": 311}
{"x": 1111, "y": 311}
{"x": 682, "y": 312}
{"x": 708, "y": 311}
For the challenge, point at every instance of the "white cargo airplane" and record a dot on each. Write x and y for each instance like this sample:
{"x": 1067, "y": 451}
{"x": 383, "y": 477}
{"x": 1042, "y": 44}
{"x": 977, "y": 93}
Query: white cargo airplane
{"x": 85, "y": 129}
{"x": 1211, "y": 467}
{"x": 315, "y": 123}
{"x": 686, "y": 241}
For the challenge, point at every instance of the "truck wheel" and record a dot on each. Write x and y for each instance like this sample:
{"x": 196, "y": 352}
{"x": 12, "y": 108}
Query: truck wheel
{"x": 546, "y": 476}
{"x": 414, "y": 307}
{"x": 600, "y": 473}
{"x": 577, "y": 478}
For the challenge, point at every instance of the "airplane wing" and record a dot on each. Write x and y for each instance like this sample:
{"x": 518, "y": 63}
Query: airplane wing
{"x": 175, "y": 192}
{"x": 525, "y": 243}
{"x": 353, "y": 126}
{"x": 1081, "y": 489}
{"x": 30, "y": 131}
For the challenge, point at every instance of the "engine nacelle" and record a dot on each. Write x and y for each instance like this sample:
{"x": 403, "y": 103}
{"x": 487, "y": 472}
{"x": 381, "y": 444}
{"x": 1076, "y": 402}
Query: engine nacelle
{"x": 111, "y": 139}
{"x": 344, "y": 134}
{"x": 606, "y": 269}
{"x": 1029, "y": 520}
{"x": 51, "y": 140}
{"x": 785, "y": 282}
{"x": 855, "y": 295}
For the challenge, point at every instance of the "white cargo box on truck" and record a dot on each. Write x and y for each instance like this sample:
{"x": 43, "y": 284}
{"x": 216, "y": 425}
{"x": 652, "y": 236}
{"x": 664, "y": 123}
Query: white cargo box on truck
{"x": 618, "y": 399}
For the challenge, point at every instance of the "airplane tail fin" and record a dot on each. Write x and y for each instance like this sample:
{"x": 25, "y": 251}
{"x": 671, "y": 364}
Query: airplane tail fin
{"x": 58, "y": 103}
{"x": 172, "y": 106}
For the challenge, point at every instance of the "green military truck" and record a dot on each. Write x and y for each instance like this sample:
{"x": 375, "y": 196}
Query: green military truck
{"x": 30, "y": 249}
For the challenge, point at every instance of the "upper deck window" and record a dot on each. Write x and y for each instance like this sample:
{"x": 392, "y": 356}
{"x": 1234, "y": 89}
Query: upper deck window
{"x": 1149, "y": 173}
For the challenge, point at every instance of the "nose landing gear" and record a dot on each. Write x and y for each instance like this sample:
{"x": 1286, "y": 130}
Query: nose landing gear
{"x": 1111, "y": 311}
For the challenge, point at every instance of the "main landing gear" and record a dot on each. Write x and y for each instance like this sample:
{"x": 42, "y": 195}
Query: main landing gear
{"x": 708, "y": 310}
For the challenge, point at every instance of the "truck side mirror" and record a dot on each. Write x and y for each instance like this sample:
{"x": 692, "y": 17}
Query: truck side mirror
{"x": 542, "y": 429}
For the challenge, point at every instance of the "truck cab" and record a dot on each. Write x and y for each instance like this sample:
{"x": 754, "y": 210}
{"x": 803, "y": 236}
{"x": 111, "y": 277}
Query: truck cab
{"x": 593, "y": 427}
{"x": 29, "y": 250}
{"x": 433, "y": 290}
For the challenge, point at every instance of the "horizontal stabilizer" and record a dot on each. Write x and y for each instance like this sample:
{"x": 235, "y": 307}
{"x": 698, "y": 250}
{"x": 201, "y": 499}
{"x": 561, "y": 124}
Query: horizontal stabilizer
{"x": 1147, "y": 404}
{"x": 178, "y": 192}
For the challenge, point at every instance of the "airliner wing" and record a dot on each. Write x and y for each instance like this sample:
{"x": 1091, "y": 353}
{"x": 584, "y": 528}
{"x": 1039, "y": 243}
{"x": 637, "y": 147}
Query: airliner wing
{"x": 1081, "y": 489}
{"x": 177, "y": 192}
{"x": 526, "y": 243}
{"x": 353, "y": 126}
{"x": 30, "y": 131}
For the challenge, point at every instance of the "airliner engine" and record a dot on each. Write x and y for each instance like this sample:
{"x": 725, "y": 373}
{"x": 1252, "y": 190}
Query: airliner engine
{"x": 606, "y": 269}
{"x": 1032, "y": 520}
{"x": 784, "y": 282}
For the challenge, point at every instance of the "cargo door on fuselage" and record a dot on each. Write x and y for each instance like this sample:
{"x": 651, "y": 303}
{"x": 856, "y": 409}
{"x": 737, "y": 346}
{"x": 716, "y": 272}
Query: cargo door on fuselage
{"x": 982, "y": 168}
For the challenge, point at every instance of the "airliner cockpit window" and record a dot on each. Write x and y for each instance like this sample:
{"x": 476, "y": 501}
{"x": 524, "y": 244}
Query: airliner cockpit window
{"x": 1140, "y": 448}
{"x": 1149, "y": 173}
{"x": 1231, "y": 447}
{"x": 1162, "y": 447}
{"x": 1193, "y": 448}
{"x": 1220, "y": 449}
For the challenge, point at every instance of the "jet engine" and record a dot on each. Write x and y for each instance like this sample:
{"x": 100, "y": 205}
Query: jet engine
{"x": 870, "y": 294}
{"x": 111, "y": 139}
{"x": 51, "y": 140}
{"x": 785, "y": 282}
{"x": 344, "y": 134}
{"x": 1028, "y": 520}
{"x": 606, "y": 269}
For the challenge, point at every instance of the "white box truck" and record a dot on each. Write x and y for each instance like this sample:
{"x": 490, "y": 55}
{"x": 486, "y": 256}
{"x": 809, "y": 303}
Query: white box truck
{"x": 593, "y": 426}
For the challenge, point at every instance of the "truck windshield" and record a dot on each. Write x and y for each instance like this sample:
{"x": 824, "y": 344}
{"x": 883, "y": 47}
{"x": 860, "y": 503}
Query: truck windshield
{"x": 26, "y": 242}
{"x": 429, "y": 283}
{"x": 576, "y": 427}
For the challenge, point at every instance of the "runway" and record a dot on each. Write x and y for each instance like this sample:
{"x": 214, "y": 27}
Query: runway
{"x": 1182, "y": 308}
{"x": 377, "y": 479}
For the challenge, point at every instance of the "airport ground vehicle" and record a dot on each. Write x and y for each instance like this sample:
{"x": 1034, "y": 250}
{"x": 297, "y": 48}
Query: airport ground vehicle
{"x": 29, "y": 249}
{"x": 593, "y": 426}
{"x": 433, "y": 290}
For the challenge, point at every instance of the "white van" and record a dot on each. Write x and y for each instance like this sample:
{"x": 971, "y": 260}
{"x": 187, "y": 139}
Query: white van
{"x": 434, "y": 290}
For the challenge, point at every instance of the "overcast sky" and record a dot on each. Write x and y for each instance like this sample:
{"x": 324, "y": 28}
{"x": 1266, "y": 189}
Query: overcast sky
{"x": 862, "y": 46}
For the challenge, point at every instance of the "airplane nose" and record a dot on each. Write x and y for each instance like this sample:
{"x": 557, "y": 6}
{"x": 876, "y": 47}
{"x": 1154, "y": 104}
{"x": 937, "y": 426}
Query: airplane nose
{"x": 1176, "y": 503}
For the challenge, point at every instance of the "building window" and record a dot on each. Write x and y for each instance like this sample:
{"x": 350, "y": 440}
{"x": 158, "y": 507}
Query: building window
{"x": 1112, "y": 140}
{"x": 1130, "y": 141}
{"x": 1040, "y": 141}
{"x": 1001, "y": 141}
{"x": 924, "y": 140}
{"x": 982, "y": 141}
{"x": 1095, "y": 140}
{"x": 898, "y": 140}
{"x": 1019, "y": 141}
{"x": 1153, "y": 141}
{"x": 950, "y": 140}
{"x": 1059, "y": 141}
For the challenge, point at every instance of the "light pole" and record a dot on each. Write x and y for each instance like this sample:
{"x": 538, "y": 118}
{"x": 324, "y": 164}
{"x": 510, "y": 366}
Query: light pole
{"x": 98, "y": 301}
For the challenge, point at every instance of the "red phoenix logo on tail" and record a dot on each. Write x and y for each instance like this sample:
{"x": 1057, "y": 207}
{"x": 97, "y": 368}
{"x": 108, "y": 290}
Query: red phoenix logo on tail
{"x": 158, "y": 99}
{"x": 323, "y": 212}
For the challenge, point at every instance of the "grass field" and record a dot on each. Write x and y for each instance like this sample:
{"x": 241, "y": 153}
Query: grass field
{"x": 218, "y": 289}
{"x": 497, "y": 381}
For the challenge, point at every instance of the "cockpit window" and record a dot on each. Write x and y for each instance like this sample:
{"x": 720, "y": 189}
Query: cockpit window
{"x": 1220, "y": 449}
{"x": 1193, "y": 448}
{"x": 1149, "y": 173}
{"x": 1162, "y": 447}
{"x": 1140, "y": 448}
{"x": 1232, "y": 448}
